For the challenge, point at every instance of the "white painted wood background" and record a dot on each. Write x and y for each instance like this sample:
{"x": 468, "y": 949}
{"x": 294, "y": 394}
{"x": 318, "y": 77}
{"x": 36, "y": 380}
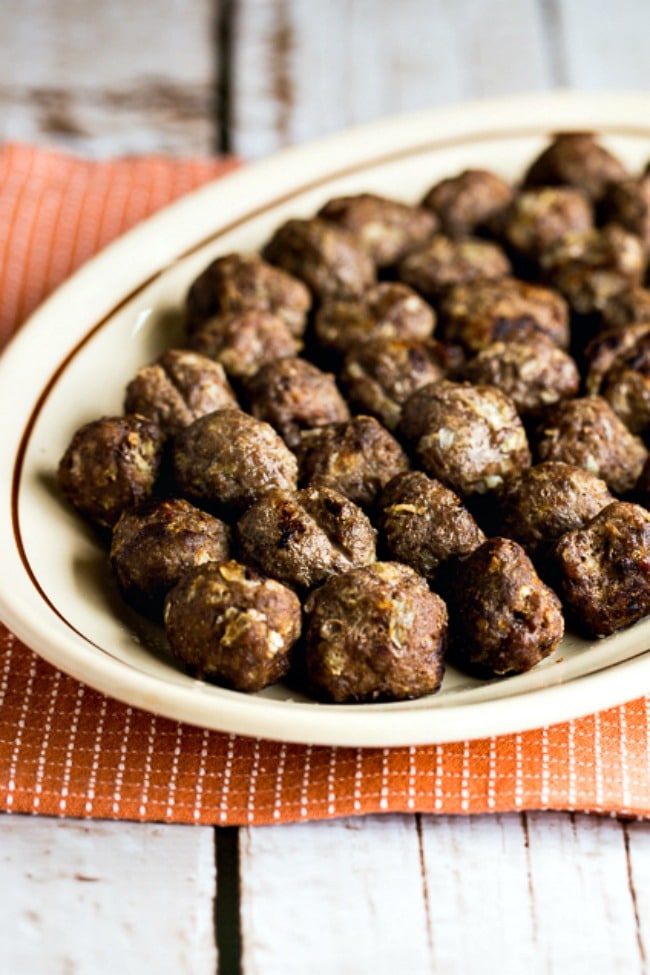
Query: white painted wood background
{"x": 537, "y": 893}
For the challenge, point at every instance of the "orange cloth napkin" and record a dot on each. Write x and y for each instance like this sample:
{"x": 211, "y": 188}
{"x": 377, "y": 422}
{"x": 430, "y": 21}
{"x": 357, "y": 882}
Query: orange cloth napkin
{"x": 67, "y": 750}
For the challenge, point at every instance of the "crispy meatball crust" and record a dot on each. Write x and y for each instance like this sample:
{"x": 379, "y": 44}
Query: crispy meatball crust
{"x": 356, "y": 458}
{"x": 292, "y": 395}
{"x": 375, "y": 633}
{"x": 534, "y": 375}
{"x": 444, "y": 262}
{"x": 379, "y": 375}
{"x": 477, "y": 314}
{"x": 539, "y": 216}
{"x": 228, "y": 624}
{"x": 576, "y": 159}
{"x": 586, "y": 431}
{"x": 467, "y": 202}
{"x": 151, "y": 549}
{"x": 469, "y": 437}
{"x": 604, "y": 569}
{"x": 626, "y": 386}
{"x": 388, "y": 229}
{"x": 626, "y": 308}
{"x": 244, "y": 341}
{"x": 329, "y": 259}
{"x": 178, "y": 388}
{"x": 502, "y": 618}
{"x": 111, "y": 465}
{"x": 547, "y": 500}
{"x": 237, "y": 282}
{"x": 229, "y": 458}
{"x": 627, "y": 202}
{"x": 605, "y": 350}
{"x": 302, "y": 537}
{"x": 424, "y": 524}
{"x": 387, "y": 310}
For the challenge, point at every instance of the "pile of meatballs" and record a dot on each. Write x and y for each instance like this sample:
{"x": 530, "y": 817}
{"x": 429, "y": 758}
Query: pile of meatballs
{"x": 398, "y": 436}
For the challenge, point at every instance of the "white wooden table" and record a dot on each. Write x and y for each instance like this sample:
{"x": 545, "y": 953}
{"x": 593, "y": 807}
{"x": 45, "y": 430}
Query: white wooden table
{"x": 540, "y": 892}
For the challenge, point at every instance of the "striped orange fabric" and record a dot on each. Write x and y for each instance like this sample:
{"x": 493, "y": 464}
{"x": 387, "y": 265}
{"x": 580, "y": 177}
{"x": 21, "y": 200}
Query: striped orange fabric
{"x": 68, "y": 750}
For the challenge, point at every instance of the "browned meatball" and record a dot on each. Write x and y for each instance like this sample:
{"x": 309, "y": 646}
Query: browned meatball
{"x": 375, "y": 633}
{"x": 539, "y": 216}
{"x": 379, "y": 375}
{"x": 304, "y": 536}
{"x": 229, "y": 458}
{"x": 243, "y": 341}
{"x": 607, "y": 347}
{"x": 604, "y": 569}
{"x": 110, "y": 465}
{"x": 238, "y": 282}
{"x": 477, "y": 314}
{"x": 228, "y": 624}
{"x": 547, "y": 500}
{"x": 589, "y": 267}
{"x": 424, "y": 524}
{"x": 388, "y": 229}
{"x": 292, "y": 395}
{"x": 586, "y": 431}
{"x": 328, "y": 258}
{"x": 626, "y": 386}
{"x": 176, "y": 389}
{"x": 534, "y": 375}
{"x": 467, "y": 202}
{"x": 626, "y": 308}
{"x": 469, "y": 437}
{"x": 444, "y": 262}
{"x": 576, "y": 159}
{"x": 627, "y": 203}
{"x": 386, "y": 310}
{"x": 151, "y": 549}
{"x": 356, "y": 458}
{"x": 502, "y": 618}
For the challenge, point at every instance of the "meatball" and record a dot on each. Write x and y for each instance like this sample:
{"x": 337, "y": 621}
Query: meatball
{"x": 502, "y": 618}
{"x": 329, "y": 259}
{"x": 302, "y": 537}
{"x": 607, "y": 347}
{"x": 468, "y": 202}
{"x": 151, "y": 549}
{"x": 356, "y": 458}
{"x": 178, "y": 388}
{"x": 228, "y": 624}
{"x": 469, "y": 437}
{"x": 477, "y": 314}
{"x": 586, "y": 431}
{"x": 293, "y": 395}
{"x": 230, "y": 459}
{"x": 111, "y": 465}
{"x": 424, "y": 524}
{"x": 445, "y": 262}
{"x": 576, "y": 159}
{"x": 539, "y": 216}
{"x": 604, "y": 569}
{"x": 627, "y": 203}
{"x": 626, "y": 386}
{"x": 388, "y": 229}
{"x": 387, "y": 310}
{"x": 375, "y": 633}
{"x": 626, "y": 308}
{"x": 244, "y": 341}
{"x": 591, "y": 266}
{"x": 534, "y": 375}
{"x": 239, "y": 282}
{"x": 547, "y": 500}
{"x": 379, "y": 375}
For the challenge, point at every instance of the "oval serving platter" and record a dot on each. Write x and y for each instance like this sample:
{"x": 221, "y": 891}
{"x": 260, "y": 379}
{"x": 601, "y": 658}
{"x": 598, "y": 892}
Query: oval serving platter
{"x": 70, "y": 364}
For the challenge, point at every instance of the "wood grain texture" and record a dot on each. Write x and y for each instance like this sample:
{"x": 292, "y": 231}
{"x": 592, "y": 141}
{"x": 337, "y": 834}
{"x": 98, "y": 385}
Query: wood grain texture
{"x": 105, "y": 897}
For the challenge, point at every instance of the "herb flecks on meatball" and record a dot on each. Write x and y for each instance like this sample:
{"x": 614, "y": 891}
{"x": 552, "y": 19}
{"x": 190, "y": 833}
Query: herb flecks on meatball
{"x": 468, "y": 202}
{"x": 375, "y": 633}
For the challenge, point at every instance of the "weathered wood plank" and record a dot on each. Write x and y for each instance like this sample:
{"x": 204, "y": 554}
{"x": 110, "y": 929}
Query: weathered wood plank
{"x": 298, "y": 74}
{"x": 341, "y": 896}
{"x": 120, "y": 77}
{"x": 106, "y": 897}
